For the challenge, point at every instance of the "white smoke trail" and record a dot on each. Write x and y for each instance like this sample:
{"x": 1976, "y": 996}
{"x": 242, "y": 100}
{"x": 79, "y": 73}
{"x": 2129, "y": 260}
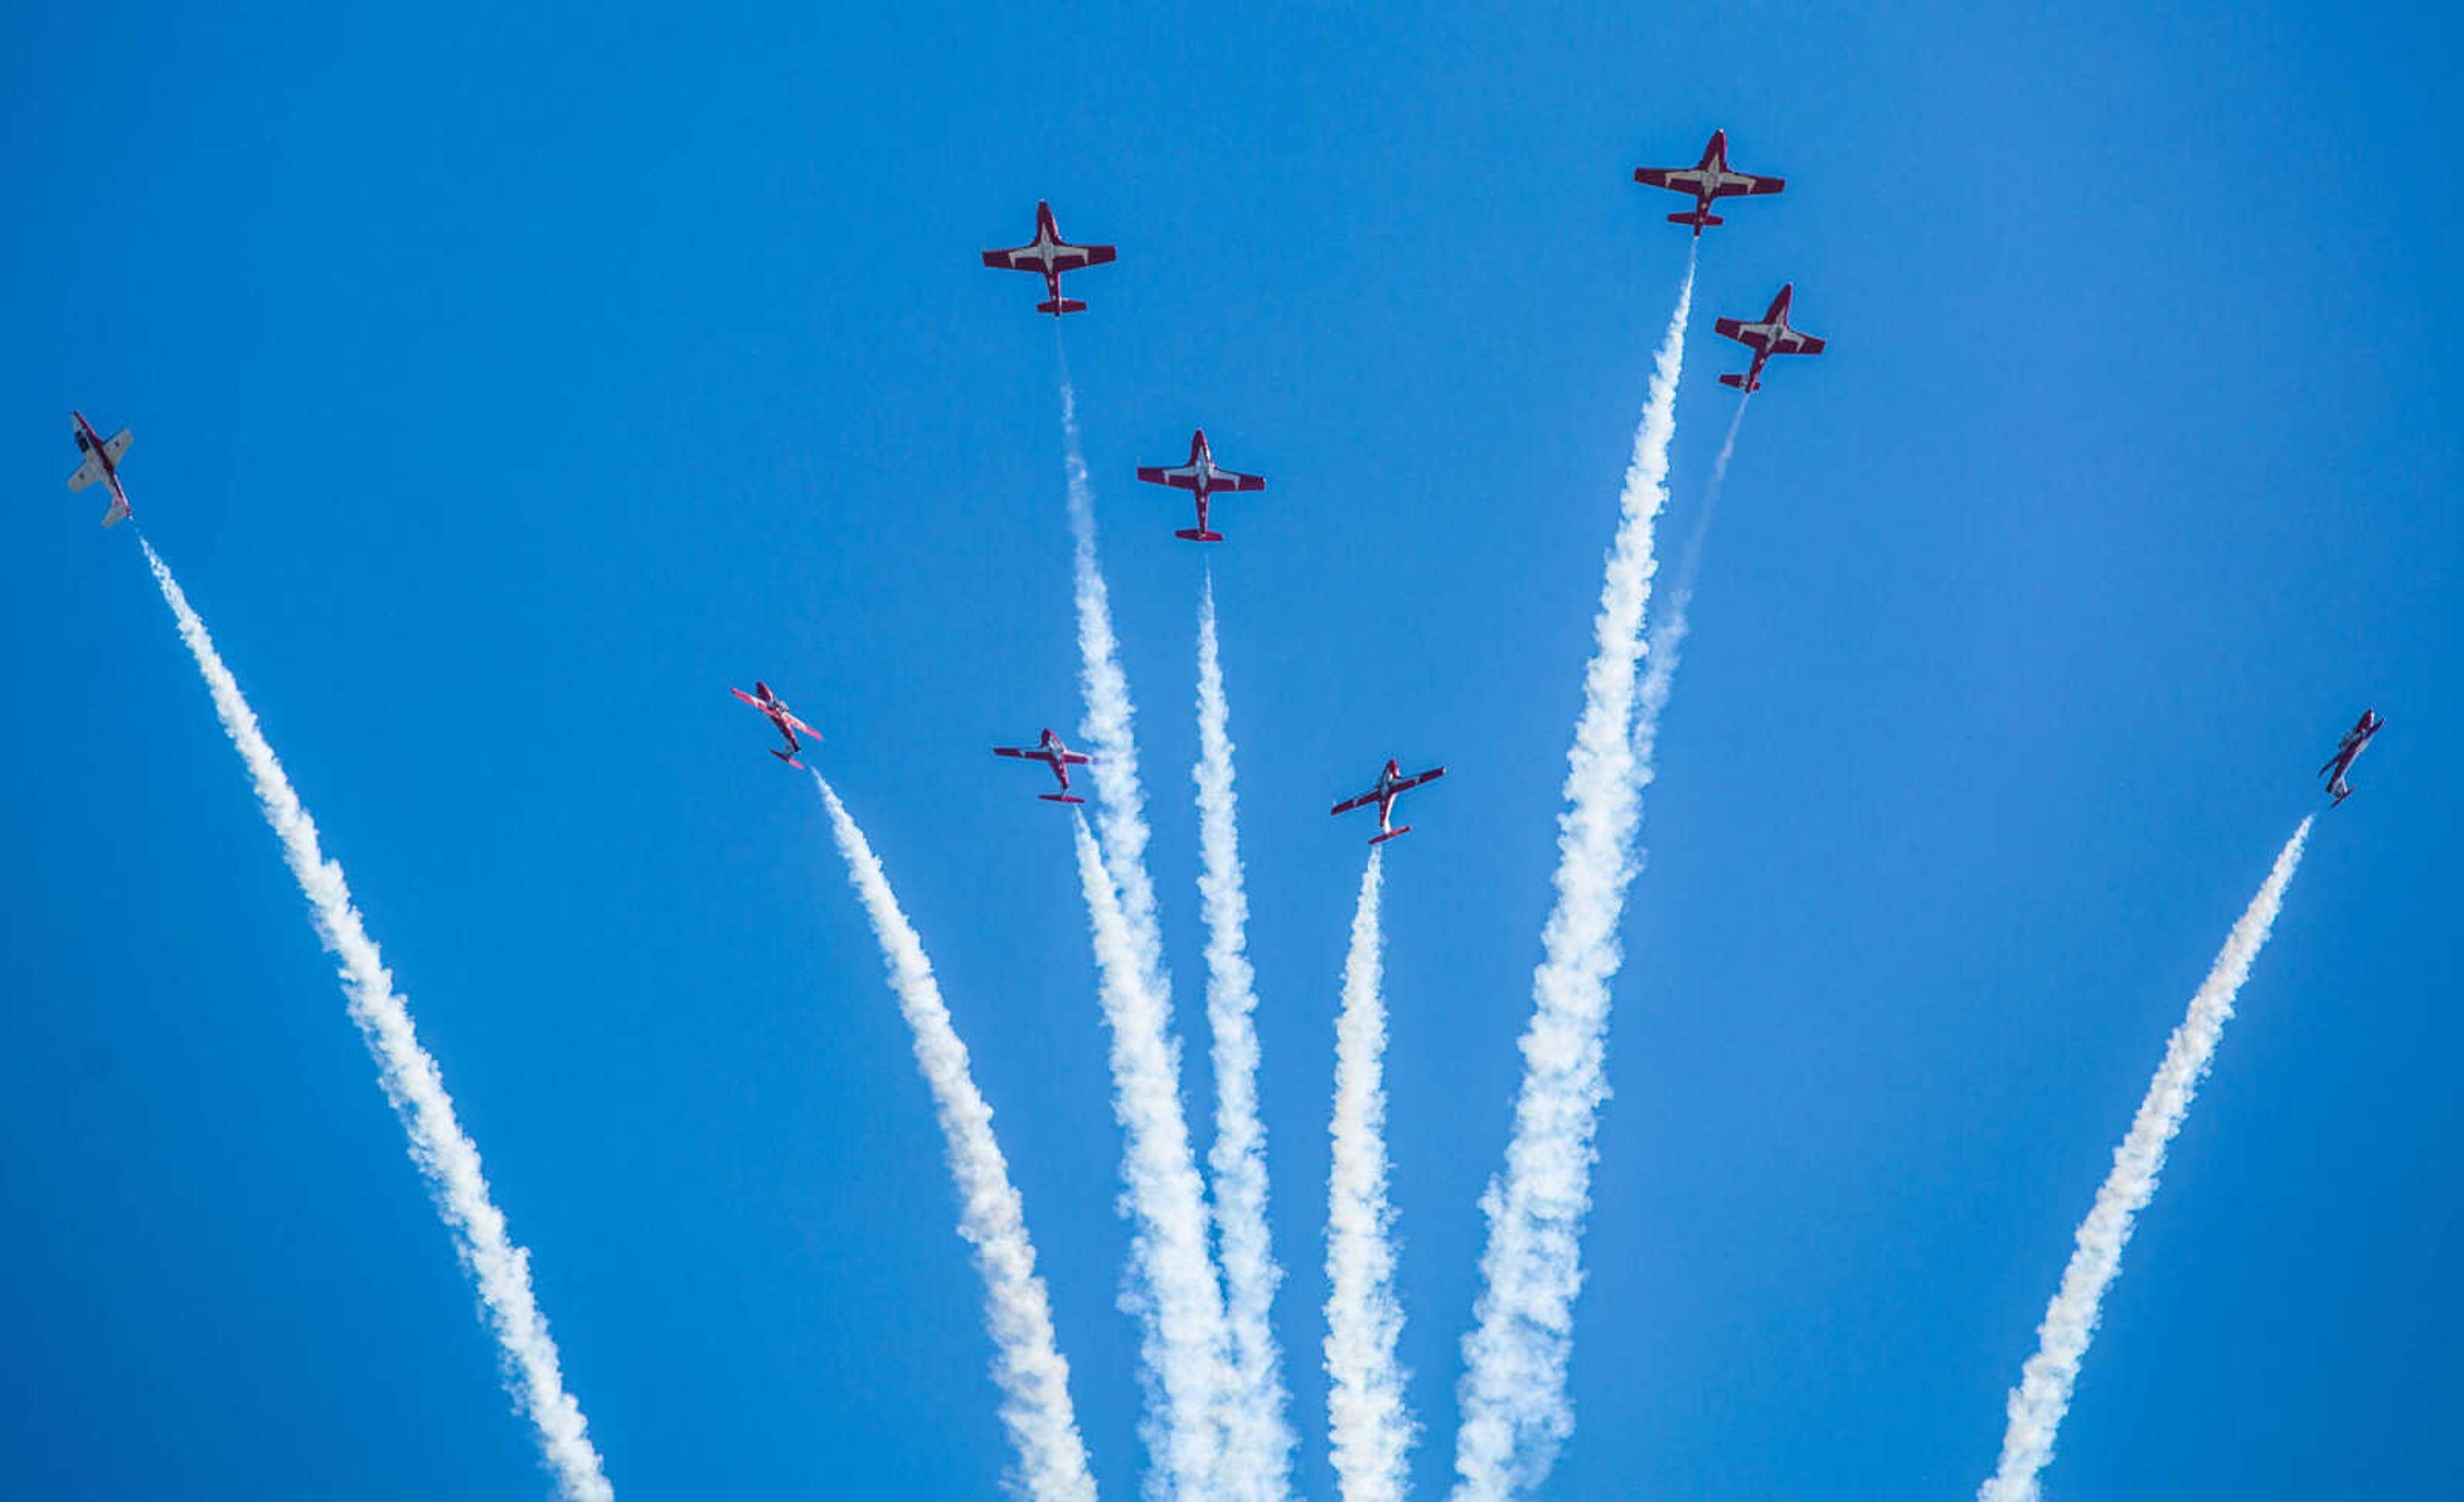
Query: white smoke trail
{"x": 1108, "y": 726}
{"x": 1667, "y": 642}
{"x": 1033, "y": 1377}
{"x": 2044, "y": 1392}
{"x": 1513, "y": 1395}
{"x": 446, "y": 1157}
{"x": 1175, "y": 1297}
{"x": 1369, "y": 1429}
{"x": 1258, "y": 1438}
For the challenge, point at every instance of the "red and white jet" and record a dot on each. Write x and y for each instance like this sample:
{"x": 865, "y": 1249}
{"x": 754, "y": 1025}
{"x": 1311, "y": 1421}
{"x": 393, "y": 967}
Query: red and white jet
{"x": 1049, "y": 750}
{"x": 1203, "y": 476}
{"x": 2348, "y": 751}
{"x": 1706, "y": 180}
{"x": 101, "y": 463}
{"x": 1772, "y": 336}
{"x": 1050, "y": 256}
{"x": 781, "y": 716}
{"x": 1390, "y": 783}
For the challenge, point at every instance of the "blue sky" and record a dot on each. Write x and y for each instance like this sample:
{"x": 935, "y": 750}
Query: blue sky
{"x": 509, "y": 383}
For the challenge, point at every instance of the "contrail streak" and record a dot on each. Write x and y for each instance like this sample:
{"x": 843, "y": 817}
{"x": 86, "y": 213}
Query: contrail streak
{"x": 1108, "y": 726}
{"x": 1033, "y": 1377}
{"x": 446, "y": 1157}
{"x": 1667, "y": 640}
{"x": 1258, "y": 1438}
{"x": 1512, "y": 1395}
{"x": 2044, "y": 1392}
{"x": 1175, "y": 1293}
{"x": 1371, "y": 1430}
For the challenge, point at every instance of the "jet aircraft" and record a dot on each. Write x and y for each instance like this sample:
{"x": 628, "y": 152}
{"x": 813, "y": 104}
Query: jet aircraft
{"x": 1049, "y": 255}
{"x": 1706, "y": 180}
{"x": 1049, "y": 750}
{"x": 781, "y": 716}
{"x": 1203, "y": 476}
{"x": 2348, "y": 751}
{"x": 1770, "y": 336}
{"x": 1390, "y": 783}
{"x": 101, "y": 463}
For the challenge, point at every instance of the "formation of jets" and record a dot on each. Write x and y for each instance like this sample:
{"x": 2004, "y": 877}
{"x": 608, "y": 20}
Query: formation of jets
{"x": 1049, "y": 255}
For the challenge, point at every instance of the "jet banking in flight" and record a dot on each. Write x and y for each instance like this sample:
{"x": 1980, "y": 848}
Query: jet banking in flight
{"x": 1706, "y": 180}
{"x": 1203, "y": 476}
{"x": 1390, "y": 783}
{"x": 101, "y": 463}
{"x": 781, "y": 716}
{"x": 1049, "y": 750}
{"x": 1768, "y": 337}
{"x": 2347, "y": 752}
{"x": 1049, "y": 255}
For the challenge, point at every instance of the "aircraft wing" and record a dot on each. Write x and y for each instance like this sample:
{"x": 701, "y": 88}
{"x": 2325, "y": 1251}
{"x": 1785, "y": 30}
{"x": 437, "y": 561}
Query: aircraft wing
{"x": 87, "y": 472}
{"x": 802, "y": 729}
{"x": 1676, "y": 179}
{"x": 1180, "y": 477}
{"x": 1069, "y": 257}
{"x": 748, "y": 698}
{"x": 1076, "y": 757}
{"x": 1792, "y": 342}
{"x": 1230, "y": 479}
{"x": 1015, "y": 260}
{"x": 1350, "y": 803}
{"x": 1017, "y": 751}
{"x": 1736, "y": 184}
{"x": 1742, "y": 333}
{"x": 1417, "y": 778}
{"x": 117, "y": 444}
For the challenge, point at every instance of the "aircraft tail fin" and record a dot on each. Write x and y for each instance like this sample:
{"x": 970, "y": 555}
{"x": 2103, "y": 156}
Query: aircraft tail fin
{"x": 1061, "y": 798}
{"x": 1380, "y": 839}
{"x": 1199, "y": 535}
{"x": 1060, "y": 305}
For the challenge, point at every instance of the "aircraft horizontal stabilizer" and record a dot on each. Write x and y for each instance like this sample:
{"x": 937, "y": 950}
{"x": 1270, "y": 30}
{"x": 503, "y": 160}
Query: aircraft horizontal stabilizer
{"x": 1380, "y": 839}
{"x": 1060, "y": 305}
{"x": 1061, "y": 798}
{"x": 1736, "y": 380}
{"x": 1698, "y": 220}
{"x": 1193, "y": 534}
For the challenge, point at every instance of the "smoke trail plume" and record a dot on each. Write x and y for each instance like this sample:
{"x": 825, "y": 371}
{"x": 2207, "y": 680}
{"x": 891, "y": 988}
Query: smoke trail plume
{"x": 1512, "y": 1395}
{"x": 1369, "y": 1429}
{"x": 1033, "y": 1377}
{"x": 1108, "y": 726}
{"x": 1175, "y": 1295}
{"x": 1667, "y": 641}
{"x": 1258, "y": 1439}
{"x": 446, "y": 1157}
{"x": 2044, "y": 1392}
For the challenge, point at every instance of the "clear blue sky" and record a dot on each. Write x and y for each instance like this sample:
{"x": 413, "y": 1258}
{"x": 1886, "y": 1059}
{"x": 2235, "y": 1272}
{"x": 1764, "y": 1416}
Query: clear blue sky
{"x": 509, "y": 383}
